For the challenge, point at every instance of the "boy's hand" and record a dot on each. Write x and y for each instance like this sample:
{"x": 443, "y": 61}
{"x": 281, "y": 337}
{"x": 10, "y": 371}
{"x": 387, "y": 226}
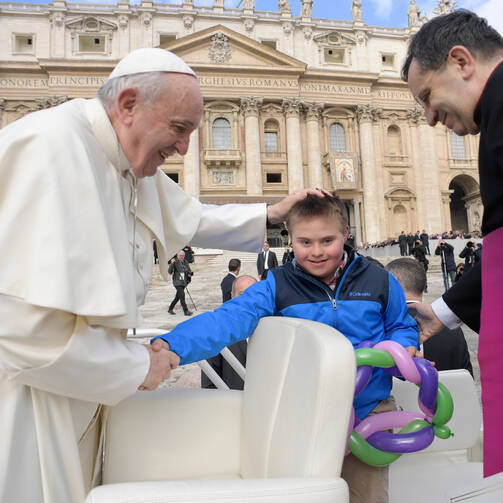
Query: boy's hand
{"x": 413, "y": 352}
{"x": 159, "y": 344}
{"x": 162, "y": 361}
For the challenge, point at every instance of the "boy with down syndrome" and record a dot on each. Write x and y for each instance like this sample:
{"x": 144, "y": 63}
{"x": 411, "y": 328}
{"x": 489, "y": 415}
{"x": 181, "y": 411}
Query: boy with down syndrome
{"x": 326, "y": 282}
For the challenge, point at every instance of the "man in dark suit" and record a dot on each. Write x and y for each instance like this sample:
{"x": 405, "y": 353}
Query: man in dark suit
{"x": 425, "y": 240}
{"x": 266, "y": 260}
{"x": 446, "y": 252}
{"x": 218, "y": 362}
{"x": 402, "y": 243}
{"x": 448, "y": 349}
{"x": 180, "y": 271}
{"x": 410, "y": 243}
{"x": 226, "y": 284}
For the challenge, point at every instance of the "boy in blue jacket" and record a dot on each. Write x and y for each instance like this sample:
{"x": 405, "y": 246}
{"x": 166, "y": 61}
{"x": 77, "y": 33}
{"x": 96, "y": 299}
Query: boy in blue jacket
{"x": 326, "y": 282}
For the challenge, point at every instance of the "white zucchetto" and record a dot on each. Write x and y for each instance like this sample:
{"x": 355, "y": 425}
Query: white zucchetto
{"x": 150, "y": 60}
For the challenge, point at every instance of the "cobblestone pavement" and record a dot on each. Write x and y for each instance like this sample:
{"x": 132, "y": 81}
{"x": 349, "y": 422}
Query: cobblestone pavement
{"x": 206, "y": 294}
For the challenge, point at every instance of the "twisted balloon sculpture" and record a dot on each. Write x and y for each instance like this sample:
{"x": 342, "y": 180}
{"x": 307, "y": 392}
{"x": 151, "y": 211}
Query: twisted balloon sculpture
{"x": 367, "y": 439}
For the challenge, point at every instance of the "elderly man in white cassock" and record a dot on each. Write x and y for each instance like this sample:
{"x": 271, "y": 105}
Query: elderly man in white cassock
{"x": 81, "y": 200}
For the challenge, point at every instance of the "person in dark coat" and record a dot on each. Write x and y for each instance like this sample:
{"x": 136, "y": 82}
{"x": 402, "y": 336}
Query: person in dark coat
{"x": 410, "y": 243}
{"x": 425, "y": 240}
{"x": 180, "y": 271}
{"x": 351, "y": 241}
{"x": 446, "y": 252}
{"x": 448, "y": 349}
{"x": 189, "y": 254}
{"x": 266, "y": 260}
{"x": 419, "y": 253}
{"x": 402, "y": 243}
{"x": 218, "y": 362}
{"x": 288, "y": 255}
{"x": 468, "y": 253}
{"x": 226, "y": 284}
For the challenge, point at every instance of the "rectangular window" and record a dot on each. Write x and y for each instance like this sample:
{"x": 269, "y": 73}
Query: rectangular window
{"x": 165, "y": 38}
{"x": 388, "y": 60}
{"x": 333, "y": 55}
{"x": 91, "y": 43}
{"x": 271, "y": 141}
{"x": 270, "y": 43}
{"x": 273, "y": 177}
{"x": 23, "y": 44}
{"x": 173, "y": 176}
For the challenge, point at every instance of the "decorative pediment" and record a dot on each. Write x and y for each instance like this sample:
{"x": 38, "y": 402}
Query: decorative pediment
{"x": 90, "y": 24}
{"x": 272, "y": 109}
{"x": 335, "y": 38}
{"x": 220, "y": 47}
{"x": 400, "y": 193}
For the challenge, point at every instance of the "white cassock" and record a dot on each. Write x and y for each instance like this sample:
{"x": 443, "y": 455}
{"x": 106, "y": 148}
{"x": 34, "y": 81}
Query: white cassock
{"x": 75, "y": 269}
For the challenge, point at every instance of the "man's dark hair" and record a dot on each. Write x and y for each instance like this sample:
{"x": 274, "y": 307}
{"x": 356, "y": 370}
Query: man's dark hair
{"x": 410, "y": 274}
{"x": 234, "y": 264}
{"x": 313, "y": 206}
{"x": 432, "y": 43}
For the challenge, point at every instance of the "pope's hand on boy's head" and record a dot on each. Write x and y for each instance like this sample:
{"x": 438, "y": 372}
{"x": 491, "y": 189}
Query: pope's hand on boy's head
{"x": 276, "y": 213}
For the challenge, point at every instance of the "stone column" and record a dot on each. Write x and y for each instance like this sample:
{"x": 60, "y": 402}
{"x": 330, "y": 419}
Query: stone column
{"x": 191, "y": 166}
{"x": 314, "y": 166}
{"x": 249, "y": 108}
{"x": 366, "y": 114}
{"x": 358, "y": 222}
{"x": 429, "y": 171}
{"x": 292, "y": 108}
{"x": 413, "y": 116}
{"x": 57, "y": 19}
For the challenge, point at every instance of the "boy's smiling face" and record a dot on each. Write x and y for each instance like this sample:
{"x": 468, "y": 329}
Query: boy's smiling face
{"x": 318, "y": 244}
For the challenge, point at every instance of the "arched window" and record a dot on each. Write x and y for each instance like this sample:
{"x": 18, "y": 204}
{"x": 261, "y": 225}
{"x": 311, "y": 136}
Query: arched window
{"x": 394, "y": 141}
{"x": 271, "y": 140}
{"x": 337, "y": 138}
{"x": 221, "y": 133}
{"x": 458, "y": 146}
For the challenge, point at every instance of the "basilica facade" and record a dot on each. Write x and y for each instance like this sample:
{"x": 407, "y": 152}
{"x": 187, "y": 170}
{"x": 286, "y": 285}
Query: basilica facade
{"x": 290, "y": 102}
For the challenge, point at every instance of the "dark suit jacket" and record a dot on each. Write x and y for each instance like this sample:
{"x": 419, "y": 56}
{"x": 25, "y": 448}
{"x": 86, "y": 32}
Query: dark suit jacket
{"x": 464, "y": 298}
{"x": 226, "y": 286}
{"x": 224, "y": 370}
{"x": 272, "y": 261}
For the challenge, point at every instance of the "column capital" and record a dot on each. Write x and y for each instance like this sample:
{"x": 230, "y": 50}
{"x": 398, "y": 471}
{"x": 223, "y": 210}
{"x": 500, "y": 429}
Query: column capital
{"x": 292, "y": 107}
{"x": 415, "y": 115}
{"x": 250, "y": 106}
{"x": 313, "y": 111}
{"x": 368, "y": 113}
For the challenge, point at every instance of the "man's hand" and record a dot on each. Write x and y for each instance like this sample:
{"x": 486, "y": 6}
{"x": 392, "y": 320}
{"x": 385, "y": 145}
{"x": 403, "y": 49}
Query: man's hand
{"x": 276, "y": 213}
{"x": 162, "y": 361}
{"x": 429, "y": 324}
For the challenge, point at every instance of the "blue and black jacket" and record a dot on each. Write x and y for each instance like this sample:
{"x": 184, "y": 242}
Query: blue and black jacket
{"x": 368, "y": 304}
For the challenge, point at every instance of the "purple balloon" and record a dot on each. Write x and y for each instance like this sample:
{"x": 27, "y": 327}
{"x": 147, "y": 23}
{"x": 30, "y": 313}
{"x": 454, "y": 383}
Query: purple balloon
{"x": 393, "y": 371}
{"x": 402, "y": 443}
{"x": 366, "y": 344}
{"x": 363, "y": 374}
{"x": 429, "y": 383}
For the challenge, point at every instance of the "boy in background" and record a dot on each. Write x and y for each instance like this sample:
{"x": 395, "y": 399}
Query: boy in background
{"x": 448, "y": 348}
{"x": 326, "y": 282}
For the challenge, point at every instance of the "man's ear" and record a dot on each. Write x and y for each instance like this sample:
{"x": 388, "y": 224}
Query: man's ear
{"x": 127, "y": 104}
{"x": 463, "y": 60}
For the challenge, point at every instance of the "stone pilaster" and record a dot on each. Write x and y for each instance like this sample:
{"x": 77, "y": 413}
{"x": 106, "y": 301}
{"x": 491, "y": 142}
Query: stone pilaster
{"x": 366, "y": 114}
{"x": 358, "y": 222}
{"x": 314, "y": 166}
{"x": 3, "y": 102}
{"x": 250, "y": 110}
{"x": 413, "y": 117}
{"x": 429, "y": 171}
{"x": 191, "y": 163}
{"x": 292, "y": 108}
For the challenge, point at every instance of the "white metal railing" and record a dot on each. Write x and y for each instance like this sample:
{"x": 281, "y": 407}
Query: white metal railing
{"x": 203, "y": 364}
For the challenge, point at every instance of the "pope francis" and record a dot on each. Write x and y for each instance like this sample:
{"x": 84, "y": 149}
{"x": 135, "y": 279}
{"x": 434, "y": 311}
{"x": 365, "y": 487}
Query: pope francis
{"x": 81, "y": 199}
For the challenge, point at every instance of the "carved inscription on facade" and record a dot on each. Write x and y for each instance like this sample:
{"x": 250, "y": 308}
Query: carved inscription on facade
{"x": 222, "y": 177}
{"x": 53, "y": 81}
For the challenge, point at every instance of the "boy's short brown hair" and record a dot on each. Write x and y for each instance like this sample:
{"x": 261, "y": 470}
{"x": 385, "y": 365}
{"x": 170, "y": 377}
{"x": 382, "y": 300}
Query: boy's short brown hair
{"x": 330, "y": 206}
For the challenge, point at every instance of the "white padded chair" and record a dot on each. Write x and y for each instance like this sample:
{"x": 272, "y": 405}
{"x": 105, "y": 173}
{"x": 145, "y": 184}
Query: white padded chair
{"x": 448, "y": 470}
{"x": 282, "y": 439}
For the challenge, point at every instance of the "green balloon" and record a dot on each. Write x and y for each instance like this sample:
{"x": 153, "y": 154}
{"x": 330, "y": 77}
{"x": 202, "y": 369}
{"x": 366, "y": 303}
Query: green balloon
{"x": 442, "y": 431}
{"x": 374, "y": 358}
{"x": 375, "y": 457}
{"x": 445, "y": 406}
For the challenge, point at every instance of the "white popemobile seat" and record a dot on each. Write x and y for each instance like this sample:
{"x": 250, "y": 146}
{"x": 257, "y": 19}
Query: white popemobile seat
{"x": 282, "y": 439}
{"x": 448, "y": 471}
